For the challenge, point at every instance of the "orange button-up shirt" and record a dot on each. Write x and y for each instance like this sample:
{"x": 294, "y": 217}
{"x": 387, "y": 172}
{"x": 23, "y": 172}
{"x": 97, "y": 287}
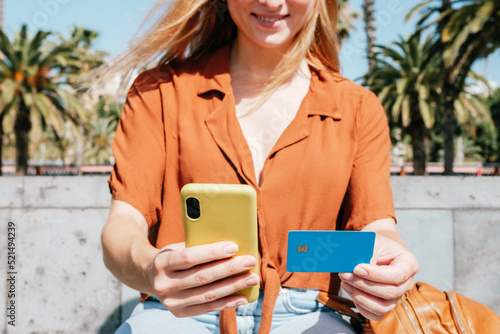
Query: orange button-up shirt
{"x": 328, "y": 170}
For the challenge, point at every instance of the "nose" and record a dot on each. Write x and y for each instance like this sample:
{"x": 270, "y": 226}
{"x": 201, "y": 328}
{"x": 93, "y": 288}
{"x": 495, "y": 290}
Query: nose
{"x": 272, "y": 4}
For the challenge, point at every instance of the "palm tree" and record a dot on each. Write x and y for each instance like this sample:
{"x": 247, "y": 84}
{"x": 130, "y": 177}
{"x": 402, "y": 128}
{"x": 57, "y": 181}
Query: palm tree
{"x": 106, "y": 115}
{"x": 55, "y": 146}
{"x": 84, "y": 59}
{"x": 467, "y": 31}
{"x": 493, "y": 101}
{"x": 37, "y": 77}
{"x": 404, "y": 80}
{"x": 345, "y": 22}
{"x": 103, "y": 132}
{"x": 370, "y": 28}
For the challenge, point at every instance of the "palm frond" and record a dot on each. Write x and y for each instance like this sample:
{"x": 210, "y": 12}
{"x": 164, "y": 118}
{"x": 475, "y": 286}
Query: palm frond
{"x": 417, "y": 8}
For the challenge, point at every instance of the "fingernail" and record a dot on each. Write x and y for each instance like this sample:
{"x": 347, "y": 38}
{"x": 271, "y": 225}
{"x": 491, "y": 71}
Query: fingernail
{"x": 249, "y": 263}
{"x": 252, "y": 281}
{"x": 347, "y": 287}
{"x": 346, "y": 276}
{"x": 360, "y": 272}
{"x": 231, "y": 249}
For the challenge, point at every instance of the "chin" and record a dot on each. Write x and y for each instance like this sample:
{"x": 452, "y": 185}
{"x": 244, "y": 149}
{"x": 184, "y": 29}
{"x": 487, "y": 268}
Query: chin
{"x": 274, "y": 42}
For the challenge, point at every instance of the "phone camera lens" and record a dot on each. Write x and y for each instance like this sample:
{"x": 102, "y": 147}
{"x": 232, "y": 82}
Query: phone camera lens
{"x": 193, "y": 208}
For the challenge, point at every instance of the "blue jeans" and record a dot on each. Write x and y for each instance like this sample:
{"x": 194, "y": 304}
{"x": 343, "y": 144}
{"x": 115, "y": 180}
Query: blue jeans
{"x": 295, "y": 311}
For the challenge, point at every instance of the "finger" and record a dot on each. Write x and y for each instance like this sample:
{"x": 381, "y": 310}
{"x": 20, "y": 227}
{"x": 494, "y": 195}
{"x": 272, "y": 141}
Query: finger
{"x": 370, "y": 306}
{"x": 213, "y": 271}
{"x": 215, "y": 306}
{"x": 369, "y": 315}
{"x": 401, "y": 269}
{"x": 380, "y": 290}
{"x": 172, "y": 247}
{"x": 187, "y": 258}
{"x": 211, "y": 292}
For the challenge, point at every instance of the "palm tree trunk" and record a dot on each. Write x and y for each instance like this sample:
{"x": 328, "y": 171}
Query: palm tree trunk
{"x": 370, "y": 28}
{"x": 79, "y": 154}
{"x": 449, "y": 121}
{"x": 419, "y": 140}
{"x": 420, "y": 146}
{"x": 22, "y": 129}
{"x": 449, "y": 127}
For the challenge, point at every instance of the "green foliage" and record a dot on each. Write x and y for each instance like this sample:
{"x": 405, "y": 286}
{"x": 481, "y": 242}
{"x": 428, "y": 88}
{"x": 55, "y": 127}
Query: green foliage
{"x": 405, "y": 81}
{"x": 477, "y": 129}
{"x": 475, "y": 22}
{"x": 102, "y": 131}
{"x": 39, "y": 78}
{"x": 487, "y": 142}
{"x": 53, "y": 147}
{"x": 346, "y": 20}
{"x": 102, "y": 134}
{"x": 436, "y": 144}
{"x": 465, "y": 30}
{"x": 492, "y": 147}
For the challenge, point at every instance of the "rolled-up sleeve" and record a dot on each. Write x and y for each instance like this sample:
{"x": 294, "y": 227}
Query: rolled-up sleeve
{"x": 139, "y": 150}
{"x": 369, "y": 194}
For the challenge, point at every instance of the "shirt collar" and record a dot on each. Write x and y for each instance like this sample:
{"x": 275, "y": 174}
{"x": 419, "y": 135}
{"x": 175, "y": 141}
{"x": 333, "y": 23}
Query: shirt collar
{"x": 216, "y": 76}
{"x": 324, "y": 95}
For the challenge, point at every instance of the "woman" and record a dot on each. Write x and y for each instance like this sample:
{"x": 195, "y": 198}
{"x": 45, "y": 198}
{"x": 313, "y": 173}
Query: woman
{"x": 249, "y": 91}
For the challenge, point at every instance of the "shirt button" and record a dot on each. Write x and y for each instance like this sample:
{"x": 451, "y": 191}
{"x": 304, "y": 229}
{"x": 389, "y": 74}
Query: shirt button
{"x": 337, "y": 116}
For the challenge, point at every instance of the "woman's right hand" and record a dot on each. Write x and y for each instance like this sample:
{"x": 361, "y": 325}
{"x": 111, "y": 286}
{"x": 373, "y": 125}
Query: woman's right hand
{"x": 201, "y": 279}
{"x": 189, "y": 281}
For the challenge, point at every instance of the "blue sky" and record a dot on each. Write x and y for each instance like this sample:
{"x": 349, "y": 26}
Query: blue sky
{"x": 118, "y": 20}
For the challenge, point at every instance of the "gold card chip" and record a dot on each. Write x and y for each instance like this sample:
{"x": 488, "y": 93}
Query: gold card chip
{"x": 302, "y": 249}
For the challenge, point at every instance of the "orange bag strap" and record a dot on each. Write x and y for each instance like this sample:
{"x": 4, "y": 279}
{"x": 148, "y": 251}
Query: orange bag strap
{"x": 342, "y": 305}
{"x": 345, "y": 307}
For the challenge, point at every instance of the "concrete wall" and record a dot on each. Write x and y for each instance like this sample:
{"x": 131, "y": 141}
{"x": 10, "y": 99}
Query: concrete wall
{"x": 451, "y": 224}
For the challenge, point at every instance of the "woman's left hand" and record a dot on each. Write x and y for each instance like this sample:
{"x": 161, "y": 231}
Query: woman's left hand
{"x": 376, "y": 288}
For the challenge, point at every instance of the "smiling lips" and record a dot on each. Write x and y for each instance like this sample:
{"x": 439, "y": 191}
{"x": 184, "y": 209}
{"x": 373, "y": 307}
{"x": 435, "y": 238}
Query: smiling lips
{"x": 268, "y": 19}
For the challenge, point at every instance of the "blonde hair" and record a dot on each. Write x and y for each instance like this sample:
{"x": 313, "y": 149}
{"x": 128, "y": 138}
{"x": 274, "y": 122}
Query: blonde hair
{"x": 189, "y": 29}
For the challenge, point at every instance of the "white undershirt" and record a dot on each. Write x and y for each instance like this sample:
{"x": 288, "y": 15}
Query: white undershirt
{"x": 263, "y": 127}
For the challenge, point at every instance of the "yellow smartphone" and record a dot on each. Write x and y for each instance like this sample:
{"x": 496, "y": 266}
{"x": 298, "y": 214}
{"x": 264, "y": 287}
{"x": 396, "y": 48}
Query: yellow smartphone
{"x": 222, "y": 212}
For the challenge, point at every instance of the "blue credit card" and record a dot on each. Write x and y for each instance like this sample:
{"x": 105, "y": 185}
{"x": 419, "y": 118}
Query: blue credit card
{"x": 328, "y": 251}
